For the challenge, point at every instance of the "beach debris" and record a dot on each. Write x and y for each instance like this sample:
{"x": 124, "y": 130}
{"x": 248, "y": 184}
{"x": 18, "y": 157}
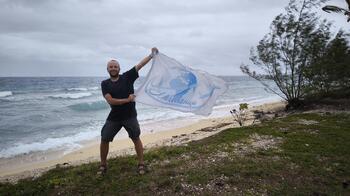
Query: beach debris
{"x": 214, "y": 128}
{"x": 63, "y": 165}
{"x": 207, "y": 129}
{"x": 258, "y": 114}
{"x": 264, "y": 116}
{"x": 185, "y": 139}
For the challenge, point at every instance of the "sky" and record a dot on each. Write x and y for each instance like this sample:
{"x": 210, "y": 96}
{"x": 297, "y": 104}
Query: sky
{"x": 78, "y": 37}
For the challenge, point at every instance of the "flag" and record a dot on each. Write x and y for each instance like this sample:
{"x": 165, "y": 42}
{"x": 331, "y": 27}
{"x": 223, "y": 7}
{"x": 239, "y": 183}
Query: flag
{"x": 172, "y": 85}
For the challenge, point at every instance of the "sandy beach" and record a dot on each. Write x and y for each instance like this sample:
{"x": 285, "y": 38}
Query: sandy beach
{"x": 12, "y": 169}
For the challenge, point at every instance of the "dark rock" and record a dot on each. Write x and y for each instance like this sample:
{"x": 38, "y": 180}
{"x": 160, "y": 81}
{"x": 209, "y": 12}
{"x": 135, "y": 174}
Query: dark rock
{"x": 208, "y": 129}
{"x": 220, "y": 184}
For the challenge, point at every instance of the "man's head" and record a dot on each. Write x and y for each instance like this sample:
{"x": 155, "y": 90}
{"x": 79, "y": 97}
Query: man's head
{"x": 113, "y": 68}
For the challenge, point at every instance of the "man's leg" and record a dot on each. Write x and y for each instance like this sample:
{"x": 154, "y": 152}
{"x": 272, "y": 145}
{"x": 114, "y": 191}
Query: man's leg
{"x": 138, "y": 149}
{"x": 133, "y": 128}
{"x": 109, "y": 130}
{"x": 104, "y": 147}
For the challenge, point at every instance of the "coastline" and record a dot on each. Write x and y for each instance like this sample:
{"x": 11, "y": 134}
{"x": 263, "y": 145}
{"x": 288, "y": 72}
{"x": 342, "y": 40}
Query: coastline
{"x": 13, "y": 169}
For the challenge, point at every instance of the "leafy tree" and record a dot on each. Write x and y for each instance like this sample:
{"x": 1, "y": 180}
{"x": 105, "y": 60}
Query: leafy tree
{"x": 331, "y": 71}
{"x": 294, "y": 42}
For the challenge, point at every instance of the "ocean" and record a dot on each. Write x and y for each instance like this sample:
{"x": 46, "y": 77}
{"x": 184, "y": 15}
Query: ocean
{"x": 61, "y": 113}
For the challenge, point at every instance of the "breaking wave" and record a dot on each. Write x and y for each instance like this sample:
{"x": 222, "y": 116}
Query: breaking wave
{"x": 71, "y": 95}
{"x": 90, "y": 106}
{"x": 5, "y": 93}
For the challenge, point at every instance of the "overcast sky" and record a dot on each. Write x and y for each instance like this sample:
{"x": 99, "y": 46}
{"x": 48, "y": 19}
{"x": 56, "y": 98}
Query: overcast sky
{"x": 78, "y": 37}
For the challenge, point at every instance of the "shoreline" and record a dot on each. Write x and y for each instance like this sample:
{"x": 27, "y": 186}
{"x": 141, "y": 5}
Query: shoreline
{"x": 16, "y": 168}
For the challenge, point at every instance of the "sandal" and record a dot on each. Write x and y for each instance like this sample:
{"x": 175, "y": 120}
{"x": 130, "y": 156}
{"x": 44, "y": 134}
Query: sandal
{"x": 102, "y": 170}
{"x": 141, "y": 169}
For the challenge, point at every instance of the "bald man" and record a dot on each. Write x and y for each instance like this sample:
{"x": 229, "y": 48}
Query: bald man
{"x": 118, "y": 91}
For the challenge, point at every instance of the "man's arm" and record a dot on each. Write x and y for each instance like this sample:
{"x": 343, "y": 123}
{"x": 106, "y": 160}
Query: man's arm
{"x": 114, "y": 101}
{"x": 146, "y": 59}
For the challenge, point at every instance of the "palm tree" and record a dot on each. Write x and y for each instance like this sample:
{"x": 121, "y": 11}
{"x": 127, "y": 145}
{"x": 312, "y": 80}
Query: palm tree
{"x": 332, "y": 8}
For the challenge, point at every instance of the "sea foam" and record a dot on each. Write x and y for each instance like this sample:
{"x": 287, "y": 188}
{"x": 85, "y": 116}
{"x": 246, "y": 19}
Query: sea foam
{"x": 83, "y": 88}
{"x": 5, "y": 93}
{"x": 71, "y": 95}
{"x": 66, "y": 143}
{"x": 77, "y": 89}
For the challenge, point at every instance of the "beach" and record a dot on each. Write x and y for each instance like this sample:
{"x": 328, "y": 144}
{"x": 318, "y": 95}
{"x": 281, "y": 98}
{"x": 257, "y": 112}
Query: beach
{"x": 28, "y": 165}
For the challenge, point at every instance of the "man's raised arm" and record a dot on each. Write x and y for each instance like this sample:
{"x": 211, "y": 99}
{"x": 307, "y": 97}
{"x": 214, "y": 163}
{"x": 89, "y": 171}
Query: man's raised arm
{"x": 146, "y": 59}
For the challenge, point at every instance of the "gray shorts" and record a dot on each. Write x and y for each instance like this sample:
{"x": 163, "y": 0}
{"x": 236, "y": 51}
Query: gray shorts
{"x": 111, "y": 128}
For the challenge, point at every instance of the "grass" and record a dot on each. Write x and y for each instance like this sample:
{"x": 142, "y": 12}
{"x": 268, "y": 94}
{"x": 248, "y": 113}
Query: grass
{"x": 293, "y": 158}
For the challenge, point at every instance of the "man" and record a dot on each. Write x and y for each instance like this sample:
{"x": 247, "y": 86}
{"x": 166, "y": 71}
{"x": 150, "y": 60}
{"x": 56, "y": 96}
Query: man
{"x": 118, "y": 91}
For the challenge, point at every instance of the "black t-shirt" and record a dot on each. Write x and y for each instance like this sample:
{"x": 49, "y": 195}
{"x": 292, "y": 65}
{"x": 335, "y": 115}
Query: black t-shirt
{"x": 121, "y": 89}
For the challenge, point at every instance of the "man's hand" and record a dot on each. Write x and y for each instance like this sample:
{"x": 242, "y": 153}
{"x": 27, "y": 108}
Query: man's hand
{"x": 154, "y": 51}
{"x": 131, "y": 98}
{"x": 144, "y": 61}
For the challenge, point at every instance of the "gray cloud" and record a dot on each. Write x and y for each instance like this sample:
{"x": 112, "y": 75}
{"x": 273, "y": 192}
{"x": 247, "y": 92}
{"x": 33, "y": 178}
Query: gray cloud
{"x": 76, "y": 37}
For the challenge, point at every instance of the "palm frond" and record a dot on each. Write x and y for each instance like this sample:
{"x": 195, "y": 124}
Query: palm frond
{"x": 348, "y": 2}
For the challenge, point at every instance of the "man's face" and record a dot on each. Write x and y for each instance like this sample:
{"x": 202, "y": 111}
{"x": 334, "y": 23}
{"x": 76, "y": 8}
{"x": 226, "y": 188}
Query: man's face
{"x": 113, "y": 68}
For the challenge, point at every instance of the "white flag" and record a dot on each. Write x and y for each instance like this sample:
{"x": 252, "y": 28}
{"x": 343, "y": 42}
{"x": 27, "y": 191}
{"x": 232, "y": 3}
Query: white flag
{"x": 172, "y": 85}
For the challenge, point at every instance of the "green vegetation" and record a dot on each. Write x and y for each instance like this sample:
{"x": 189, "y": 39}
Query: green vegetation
{"x": 302, "y": 56}
{"x": 329, "y": 74}
{"x": 301, "y": 154}
{"x": 240, "y": 115}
